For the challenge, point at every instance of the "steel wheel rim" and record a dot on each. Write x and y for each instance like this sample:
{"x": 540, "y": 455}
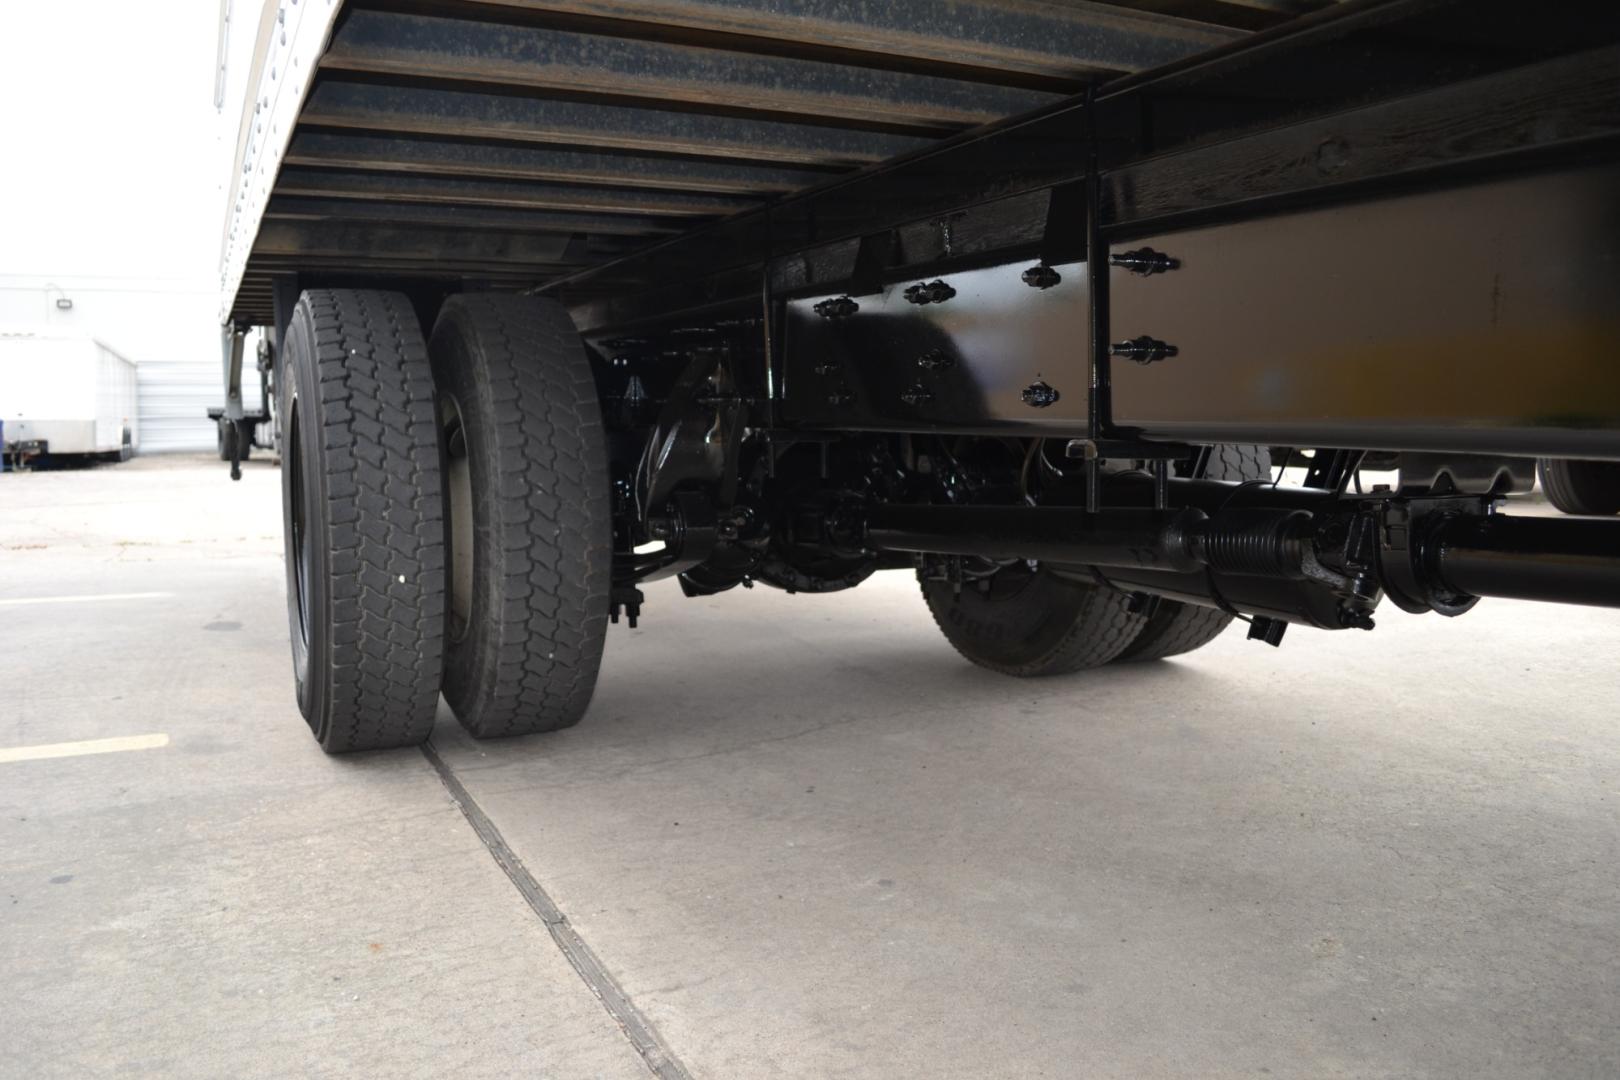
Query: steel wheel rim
{"x": 459, "y": 512}
{"x": 303, "y": 552}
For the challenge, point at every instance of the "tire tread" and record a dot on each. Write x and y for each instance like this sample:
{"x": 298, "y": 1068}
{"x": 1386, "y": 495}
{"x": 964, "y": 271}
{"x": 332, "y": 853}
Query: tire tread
{"x": 1102, "y": 628}
{"x": 384, "y": 526}
{"x": 1580, "y": 487}
{"x": 550, "y": 518}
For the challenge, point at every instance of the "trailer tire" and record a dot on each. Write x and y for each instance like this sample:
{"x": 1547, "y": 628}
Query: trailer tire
{"x": 363, "y": 518}
{"x": 1580, "y": 487}
{"x": 530, "y": 535}
{"x": 1172, "y": 627}
{"x": 1028, "y": 621}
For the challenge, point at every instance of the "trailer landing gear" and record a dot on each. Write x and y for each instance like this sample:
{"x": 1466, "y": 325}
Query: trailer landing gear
{"x": 235, "y": 438}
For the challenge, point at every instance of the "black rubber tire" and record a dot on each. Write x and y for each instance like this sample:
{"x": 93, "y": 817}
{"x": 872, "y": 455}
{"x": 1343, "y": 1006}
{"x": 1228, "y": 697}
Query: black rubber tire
{"x": 363, "y": 518}
{"x": 1580, "y": 487}
{"x": 1174, "y": 628}
{"x": 1031, "y": 622}
{"x": 226, "y": 435}
{"x": 528, "y": 614}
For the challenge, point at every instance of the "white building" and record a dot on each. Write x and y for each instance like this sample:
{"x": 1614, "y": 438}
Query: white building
{"x": 128, "y": 255}
{"x": 168, "y": 328}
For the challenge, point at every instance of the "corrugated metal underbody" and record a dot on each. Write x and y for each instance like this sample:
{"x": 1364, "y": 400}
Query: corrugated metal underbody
{"x": 507, "y": 143}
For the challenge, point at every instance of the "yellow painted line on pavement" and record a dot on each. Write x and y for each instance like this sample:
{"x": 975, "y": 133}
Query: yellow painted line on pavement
{"x": 79, "y": 749}
{"x": 84, "y": 599}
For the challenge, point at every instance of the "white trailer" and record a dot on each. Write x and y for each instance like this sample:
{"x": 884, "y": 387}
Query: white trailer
{"x": 66, "y": 395}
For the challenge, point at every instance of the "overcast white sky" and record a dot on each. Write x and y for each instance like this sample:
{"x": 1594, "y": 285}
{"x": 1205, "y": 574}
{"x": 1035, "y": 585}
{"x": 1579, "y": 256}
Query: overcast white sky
{"x": 112, "y": 156}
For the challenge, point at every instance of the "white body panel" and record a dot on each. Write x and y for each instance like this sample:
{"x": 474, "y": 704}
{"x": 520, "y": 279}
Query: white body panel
{"x": 290, "y": 38}
{"x": 74, "y": 392}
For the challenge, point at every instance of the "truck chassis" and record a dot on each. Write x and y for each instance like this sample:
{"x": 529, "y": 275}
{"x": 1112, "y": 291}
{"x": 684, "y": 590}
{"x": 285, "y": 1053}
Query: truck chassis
{"x": 1060, "y": 365}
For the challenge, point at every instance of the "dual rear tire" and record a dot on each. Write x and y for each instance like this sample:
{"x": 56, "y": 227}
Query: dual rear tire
{"x": 530, "y": 537}
{"x": 1581, "y": 487}
{"x": 446, "y": 519}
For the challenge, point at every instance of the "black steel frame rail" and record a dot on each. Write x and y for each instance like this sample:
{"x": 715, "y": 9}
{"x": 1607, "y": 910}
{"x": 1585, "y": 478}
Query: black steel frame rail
{"x": 1371, "y": 96}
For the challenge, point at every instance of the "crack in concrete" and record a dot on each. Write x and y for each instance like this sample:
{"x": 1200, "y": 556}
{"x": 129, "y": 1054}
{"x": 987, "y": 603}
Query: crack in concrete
{"x": 636, "y": 1027}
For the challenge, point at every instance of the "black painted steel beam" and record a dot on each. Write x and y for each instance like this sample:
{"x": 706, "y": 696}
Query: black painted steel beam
{"x": 434, "y": 215}
{"x": 1066, "y": 41}
{"x": 425, "y": 246}
{"x": 1562, "y": 102}
{"x": 432, "y": 157}
{"x": 418, "y": 47}
{"x": 350, "y": 266}
{"x": 469, "y": 114}
{"x": 328, "y": 183}
{"x": 1379, "y": 91}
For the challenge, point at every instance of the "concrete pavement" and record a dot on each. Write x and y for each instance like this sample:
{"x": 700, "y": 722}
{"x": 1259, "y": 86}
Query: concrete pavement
{"x": 799, "y": 833}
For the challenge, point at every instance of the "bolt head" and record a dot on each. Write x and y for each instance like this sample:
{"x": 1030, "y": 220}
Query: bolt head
{"x": 1041, "y": 277}
{"x": 1039, "y": 395}
{"x": 1145, "y": 261}
{"x": 931, "y": 292}
{"x": 840, "y": 307}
